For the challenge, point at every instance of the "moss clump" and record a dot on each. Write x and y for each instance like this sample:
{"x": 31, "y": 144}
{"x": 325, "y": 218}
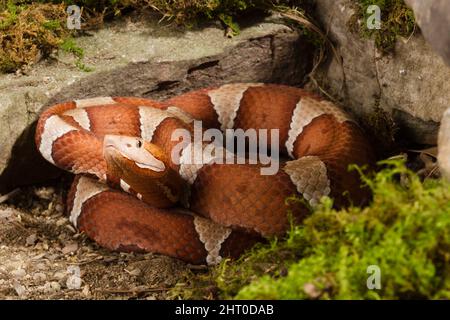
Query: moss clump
{"x": 396, "y": 20}
{"x": 28, "y": 32}
{"x": 405, "y": 232}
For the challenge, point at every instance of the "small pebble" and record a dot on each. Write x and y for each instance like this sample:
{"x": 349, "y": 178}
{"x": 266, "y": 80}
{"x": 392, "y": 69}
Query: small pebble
{"x": 59, "y": 208}
{"x": 51, "y": 287}
{"x": 31, "y": 239}
{"x": 62, "y": 237}
{"x": 311, "y": 290}
{"x": 59, "y": 275}
{"x": 86, "y": 291}
{"x": 73, "y": 282}
{"x": 69, "y": 248}
{"x": 45, "y": 193}
{"x": 19, "y": 273}
{"x": 20, "y": 289}
{"x": 41, "y": 266}
{"x": 39, "y": 276}
{"x": 47, "y": 79}
{"x": 13, "y": 265}
{"x": 4, "y": 214}
{"x": 71, "y": 229}
{"x": 61, "y": 221}
{"x": 52, "y": 257}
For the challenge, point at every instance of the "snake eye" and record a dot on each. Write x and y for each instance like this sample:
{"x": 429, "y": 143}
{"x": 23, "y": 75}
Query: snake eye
{"x": 139, "y": 143}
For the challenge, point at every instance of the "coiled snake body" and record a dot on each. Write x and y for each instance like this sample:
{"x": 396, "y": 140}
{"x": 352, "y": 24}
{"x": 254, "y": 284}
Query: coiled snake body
{"x": 130, "y": 195}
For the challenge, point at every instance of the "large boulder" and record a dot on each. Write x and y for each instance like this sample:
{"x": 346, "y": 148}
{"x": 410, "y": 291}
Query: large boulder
{"x": 433, "y": 17}
{"x": 412, "y": 84}
{"x": 140, "y": 58}
{"x": 444, "y": 145}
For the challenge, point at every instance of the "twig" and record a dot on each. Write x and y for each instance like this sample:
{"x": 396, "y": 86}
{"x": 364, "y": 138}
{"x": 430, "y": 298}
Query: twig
{"x": 432, "y": 152}
{"x": 432, "y": 171}
{"x": 197, "y": 267}
{"x": 133, "y": 291}
{"x": 81, "y": 263}
{"x": 9, "y": 195}
{"x": 297, "y": 16}
{"x": 322, "y": 89}
{"x": 412, "y": 33}
{"x": 300, "y": 18}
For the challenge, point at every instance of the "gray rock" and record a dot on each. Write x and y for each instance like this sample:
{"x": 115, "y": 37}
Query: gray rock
{"x": 433, "y": 17}
{"x": 412, "y": 84}
{"x": 444, "y": 146}
{"x": 142, "y": 59}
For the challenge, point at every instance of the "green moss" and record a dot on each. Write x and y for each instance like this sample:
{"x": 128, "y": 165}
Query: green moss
{"x": 52, "y": 24}
{"x": 396, "y": 20}
{"x": 6, "y": 64}
{"x": 405, "y": 231}
{"x": 82, "y": 66}
{"x": 69, "y": 45}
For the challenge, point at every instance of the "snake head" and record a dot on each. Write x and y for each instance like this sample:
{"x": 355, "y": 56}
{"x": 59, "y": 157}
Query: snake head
{"x": 133, "y": 154}
{"x": 143, "y": 167}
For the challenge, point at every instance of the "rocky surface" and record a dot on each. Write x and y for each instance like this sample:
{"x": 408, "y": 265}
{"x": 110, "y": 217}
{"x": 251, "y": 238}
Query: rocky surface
{"x": 444, "y": 145}
{"x": 433, "y": 17}
{"x": 138, "y": 57}
{"x": 43, "y": 257}
{"x": 411, "y": 84}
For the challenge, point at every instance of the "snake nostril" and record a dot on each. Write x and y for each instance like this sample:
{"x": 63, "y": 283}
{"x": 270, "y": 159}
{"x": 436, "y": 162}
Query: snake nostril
{"x": 128, "y": 145}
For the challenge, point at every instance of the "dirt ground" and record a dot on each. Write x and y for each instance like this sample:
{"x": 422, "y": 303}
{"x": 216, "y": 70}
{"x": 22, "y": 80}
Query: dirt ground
{"x": 43, "y": 257}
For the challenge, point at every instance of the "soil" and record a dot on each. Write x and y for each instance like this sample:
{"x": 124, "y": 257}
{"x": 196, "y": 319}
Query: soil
{"x": 42, "y": 256}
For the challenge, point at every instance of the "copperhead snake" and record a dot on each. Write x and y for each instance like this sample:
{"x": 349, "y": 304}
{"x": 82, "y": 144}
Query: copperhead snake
{"x": 130, "y": 195}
